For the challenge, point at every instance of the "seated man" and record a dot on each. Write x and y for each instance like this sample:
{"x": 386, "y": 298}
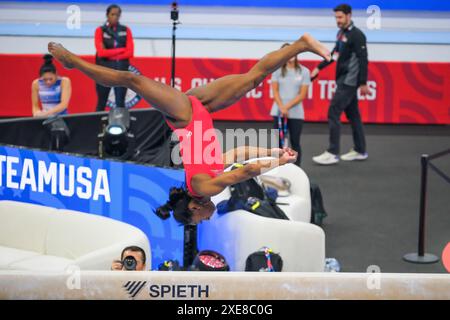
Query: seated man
{"x": 131, "y": 259}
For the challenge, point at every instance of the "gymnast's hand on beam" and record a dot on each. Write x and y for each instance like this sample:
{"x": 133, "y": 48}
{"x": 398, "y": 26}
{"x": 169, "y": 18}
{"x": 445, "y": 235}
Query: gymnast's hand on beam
{"x": 276, "y": 152}
{"x": 289, "y": 150}
{"x": 289, "y": 156}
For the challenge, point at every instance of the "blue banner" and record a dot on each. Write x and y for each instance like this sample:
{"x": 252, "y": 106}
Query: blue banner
{"x": 119, "y": 190}
{"x": 430, "y": 5}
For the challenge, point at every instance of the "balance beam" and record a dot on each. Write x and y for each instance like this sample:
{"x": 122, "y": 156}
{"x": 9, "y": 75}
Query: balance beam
{"x": 153, "y": 285}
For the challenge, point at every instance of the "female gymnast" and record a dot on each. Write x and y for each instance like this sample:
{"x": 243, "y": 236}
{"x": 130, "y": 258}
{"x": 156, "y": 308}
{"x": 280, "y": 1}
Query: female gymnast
{"x": 188, "y": 114}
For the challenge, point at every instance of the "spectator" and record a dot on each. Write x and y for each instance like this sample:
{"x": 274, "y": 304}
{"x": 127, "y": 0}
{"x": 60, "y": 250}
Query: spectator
{"x": 136, "y": 253}
{"x": 351, "y": 73}
{"x": 290, "y": 86}
{"x": 50, "y": 94}
{"x": 114, "y": 45}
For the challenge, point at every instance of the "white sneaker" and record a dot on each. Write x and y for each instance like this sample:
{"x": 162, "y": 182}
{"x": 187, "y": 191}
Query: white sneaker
{"x": 326, "y": 158}
{"x": 353, "y": 155}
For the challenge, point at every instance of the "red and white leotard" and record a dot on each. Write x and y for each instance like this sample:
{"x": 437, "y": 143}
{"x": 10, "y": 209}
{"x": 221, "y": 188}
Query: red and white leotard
{"x": 199, "y": 146}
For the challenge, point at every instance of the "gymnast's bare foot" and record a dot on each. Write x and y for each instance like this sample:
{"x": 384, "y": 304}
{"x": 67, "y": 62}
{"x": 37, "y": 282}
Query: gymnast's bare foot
{"x": 315, "y": 46}
{"x": 61, "y": 54}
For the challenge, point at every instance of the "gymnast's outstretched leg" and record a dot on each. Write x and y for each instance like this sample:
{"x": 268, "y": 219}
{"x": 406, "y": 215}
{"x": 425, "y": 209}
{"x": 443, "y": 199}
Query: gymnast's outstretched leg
{"x": 227, "y": 90}
{"x": 168, "y": 100}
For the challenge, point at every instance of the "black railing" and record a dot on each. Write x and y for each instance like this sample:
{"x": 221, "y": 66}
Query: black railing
{"x": 421, "y": 256}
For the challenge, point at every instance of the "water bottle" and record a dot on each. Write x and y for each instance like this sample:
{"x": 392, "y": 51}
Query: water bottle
{"x": 332, "y": 265}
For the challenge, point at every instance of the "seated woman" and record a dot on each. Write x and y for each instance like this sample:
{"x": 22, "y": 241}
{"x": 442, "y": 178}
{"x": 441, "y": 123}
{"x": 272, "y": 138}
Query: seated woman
{"x": 189, "y": 115}
{"x": 50, "y": 94}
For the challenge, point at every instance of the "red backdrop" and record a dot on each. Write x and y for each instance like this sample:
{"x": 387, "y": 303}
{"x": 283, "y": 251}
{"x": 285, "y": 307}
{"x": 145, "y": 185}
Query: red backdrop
{"x": 401, "y": 92}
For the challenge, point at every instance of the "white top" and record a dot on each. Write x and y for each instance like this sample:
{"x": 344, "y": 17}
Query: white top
{"x": 289, "y": 88}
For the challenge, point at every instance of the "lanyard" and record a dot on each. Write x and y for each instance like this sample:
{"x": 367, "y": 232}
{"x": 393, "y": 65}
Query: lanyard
{"x": 267, "y": 252}
{"x": 282, "y": 129}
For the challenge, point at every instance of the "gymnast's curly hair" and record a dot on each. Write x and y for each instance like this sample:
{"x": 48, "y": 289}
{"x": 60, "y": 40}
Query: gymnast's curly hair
{"x": 178, "y": 205}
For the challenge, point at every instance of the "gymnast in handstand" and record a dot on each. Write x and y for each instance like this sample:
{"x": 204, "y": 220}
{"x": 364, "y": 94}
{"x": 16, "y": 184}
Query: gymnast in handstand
{"x": 184, "y": 111}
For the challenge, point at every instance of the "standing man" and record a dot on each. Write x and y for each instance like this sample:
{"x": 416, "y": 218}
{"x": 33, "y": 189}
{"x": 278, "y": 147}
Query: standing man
{"x": 351, "y": 74}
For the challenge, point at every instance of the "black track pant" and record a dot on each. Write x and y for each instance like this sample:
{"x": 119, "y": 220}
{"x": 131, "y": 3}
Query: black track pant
{"x": 345, "y": 100}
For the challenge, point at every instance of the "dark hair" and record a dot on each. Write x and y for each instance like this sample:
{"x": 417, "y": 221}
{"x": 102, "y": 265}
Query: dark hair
{"x": 283, "y": 68}
{"x": 113, "y": 6}
{"x": 178, "y": 203}
{"x": 134, "y": 249}
{"x": 48, "y": 65}
{"x": 345, "y": 8}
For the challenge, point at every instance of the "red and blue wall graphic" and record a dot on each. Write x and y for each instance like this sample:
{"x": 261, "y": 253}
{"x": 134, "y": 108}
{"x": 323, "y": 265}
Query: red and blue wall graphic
{"x": 401, "y": 92}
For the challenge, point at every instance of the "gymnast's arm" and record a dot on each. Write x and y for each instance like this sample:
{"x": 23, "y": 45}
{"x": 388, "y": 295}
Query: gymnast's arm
{"x": 35, "y": 98}
{"x": 213, "y": 186}
{"x": 244, "y": 153}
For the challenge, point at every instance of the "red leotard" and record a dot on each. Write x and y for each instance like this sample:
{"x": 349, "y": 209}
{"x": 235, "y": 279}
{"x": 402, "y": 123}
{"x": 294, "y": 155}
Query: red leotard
{"x": 199, "y": 146}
